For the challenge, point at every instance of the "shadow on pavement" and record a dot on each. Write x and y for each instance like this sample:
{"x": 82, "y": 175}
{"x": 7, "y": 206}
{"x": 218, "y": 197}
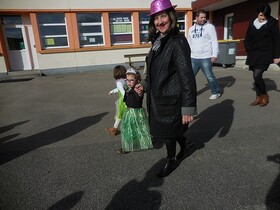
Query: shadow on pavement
{"x": 10, "y": 127}
{"x": 68, "y": 202}
{"x": 223, "y": 83}
{"x": 216, "y": 119}
{"x": 7, "y": 138}
{"x": 18, "y": 147}
{"x": 16, "y": 80}
{"x": 137, "y": 194}
{"x": 270, "y": 85}
{"x": 272, "y": 200}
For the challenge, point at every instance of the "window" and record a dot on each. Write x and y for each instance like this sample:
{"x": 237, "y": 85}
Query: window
{"x": 120, "y": 28}
{"x": 228, "y": 26}
{"x": 53, "y": 31}
{"x": 90, "y": 29}
{"x": 144, "y": 26}
{"x": 13, "y": 32}
{"x": 11, "y": 20}
{"x": 181, "y": 21}
{"x": 15, "y": 38}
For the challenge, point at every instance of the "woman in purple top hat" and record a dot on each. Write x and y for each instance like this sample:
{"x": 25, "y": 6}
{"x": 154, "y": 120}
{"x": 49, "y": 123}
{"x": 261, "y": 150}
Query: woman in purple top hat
{"x": 170, "y": 82}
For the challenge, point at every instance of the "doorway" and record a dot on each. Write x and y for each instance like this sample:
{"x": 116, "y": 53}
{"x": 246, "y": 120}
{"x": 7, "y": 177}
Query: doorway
{"x": 16, "y": 43}
{"x": 228, "y": 26}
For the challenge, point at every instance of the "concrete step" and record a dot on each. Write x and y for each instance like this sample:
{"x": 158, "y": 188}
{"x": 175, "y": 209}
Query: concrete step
{"x": 20, "y": 75}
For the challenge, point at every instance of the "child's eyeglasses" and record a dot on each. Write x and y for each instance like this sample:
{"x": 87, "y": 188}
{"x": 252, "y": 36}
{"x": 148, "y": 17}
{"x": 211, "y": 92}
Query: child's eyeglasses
{"x": 130, "y": 80}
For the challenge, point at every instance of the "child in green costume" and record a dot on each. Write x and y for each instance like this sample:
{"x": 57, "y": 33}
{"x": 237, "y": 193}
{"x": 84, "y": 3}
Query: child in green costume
{"x": 134, "y": 126}
{"x": 119, "y": 74}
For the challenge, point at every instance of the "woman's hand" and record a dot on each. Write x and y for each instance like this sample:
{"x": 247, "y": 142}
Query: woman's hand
{"x": 139, "y": 89}
{"x": 186, "y": 119}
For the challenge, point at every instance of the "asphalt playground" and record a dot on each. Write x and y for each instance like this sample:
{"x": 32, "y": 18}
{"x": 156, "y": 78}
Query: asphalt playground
{"x": 55, "y": 153}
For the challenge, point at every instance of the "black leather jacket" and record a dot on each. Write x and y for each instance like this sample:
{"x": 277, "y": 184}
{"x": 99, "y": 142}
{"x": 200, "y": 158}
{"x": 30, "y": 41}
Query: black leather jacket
{"x": 170, "y": 82}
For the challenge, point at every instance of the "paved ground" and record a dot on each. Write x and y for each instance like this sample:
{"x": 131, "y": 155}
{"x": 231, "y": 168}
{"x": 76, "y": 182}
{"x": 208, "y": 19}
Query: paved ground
{"x": 55, "y": 153}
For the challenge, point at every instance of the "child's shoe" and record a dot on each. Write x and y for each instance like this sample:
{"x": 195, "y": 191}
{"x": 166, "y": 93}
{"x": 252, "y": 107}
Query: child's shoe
{"x": 113, "y": 131}
{"x": 121, "y": 151}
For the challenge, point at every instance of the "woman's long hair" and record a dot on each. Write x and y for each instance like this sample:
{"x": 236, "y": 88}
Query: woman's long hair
{"x": 173, "y": 26}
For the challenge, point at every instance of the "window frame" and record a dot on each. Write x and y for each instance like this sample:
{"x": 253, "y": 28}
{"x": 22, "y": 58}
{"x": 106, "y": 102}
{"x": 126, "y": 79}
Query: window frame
{"x": 182, "y": 21}
{"x": 143, "y": 22}
{"x": 226, "y": 26}
{"x": 43, "y": 37}
{"x": 101, "y": 24}
{"x": 111, "y": 23}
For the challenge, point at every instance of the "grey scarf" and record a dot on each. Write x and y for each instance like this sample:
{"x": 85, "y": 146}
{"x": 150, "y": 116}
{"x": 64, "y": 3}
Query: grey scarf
{"x": 156, "y": 45}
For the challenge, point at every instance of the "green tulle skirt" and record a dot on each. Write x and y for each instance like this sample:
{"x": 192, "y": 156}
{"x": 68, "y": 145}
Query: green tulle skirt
{"x": 135, "y": 130}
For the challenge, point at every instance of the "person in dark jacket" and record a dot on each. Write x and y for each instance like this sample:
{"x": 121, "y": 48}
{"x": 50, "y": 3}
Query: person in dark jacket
{"x": 170, "y": 82}
{"x": 262, "y": 44}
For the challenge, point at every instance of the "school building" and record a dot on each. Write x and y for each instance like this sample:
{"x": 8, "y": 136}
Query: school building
{"x": 73, "y": 36}
{"x": 59, "y": 35}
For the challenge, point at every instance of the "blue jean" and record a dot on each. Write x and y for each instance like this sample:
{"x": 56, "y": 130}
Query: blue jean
{"x": 205, "y": 65}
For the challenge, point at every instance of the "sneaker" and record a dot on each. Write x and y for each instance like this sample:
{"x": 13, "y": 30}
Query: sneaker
{"x": 214, "y": 96}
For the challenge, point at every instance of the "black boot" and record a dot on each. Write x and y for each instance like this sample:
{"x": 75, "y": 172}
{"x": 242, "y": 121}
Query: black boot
{"x": 185, "y": 146}
{"x": 182, "y": 142}
{"x": 170, "y": 163}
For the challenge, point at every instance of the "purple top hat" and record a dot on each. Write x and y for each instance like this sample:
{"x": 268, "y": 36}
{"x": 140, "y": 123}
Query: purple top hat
{"x": 159, "y": 6}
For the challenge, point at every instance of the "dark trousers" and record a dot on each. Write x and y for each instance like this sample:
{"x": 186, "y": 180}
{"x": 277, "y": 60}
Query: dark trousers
{"x": 259, "y": 82}
{"x": 171, "y": 146}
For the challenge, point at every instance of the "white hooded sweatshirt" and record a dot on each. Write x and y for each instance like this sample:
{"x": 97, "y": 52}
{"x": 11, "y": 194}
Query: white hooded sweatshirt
{"x": 203, "y": 41}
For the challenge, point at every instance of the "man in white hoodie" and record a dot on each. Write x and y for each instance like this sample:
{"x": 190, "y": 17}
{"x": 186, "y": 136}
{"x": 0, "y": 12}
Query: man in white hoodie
{"x": 203, "y": 41}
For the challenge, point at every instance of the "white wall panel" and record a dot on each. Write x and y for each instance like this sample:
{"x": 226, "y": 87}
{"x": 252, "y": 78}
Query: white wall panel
{"x": 274, "y": 9}
{"x": 34, "y": 4}
{"x": 89, "y": 58}
{"x": 2, "y": 65}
